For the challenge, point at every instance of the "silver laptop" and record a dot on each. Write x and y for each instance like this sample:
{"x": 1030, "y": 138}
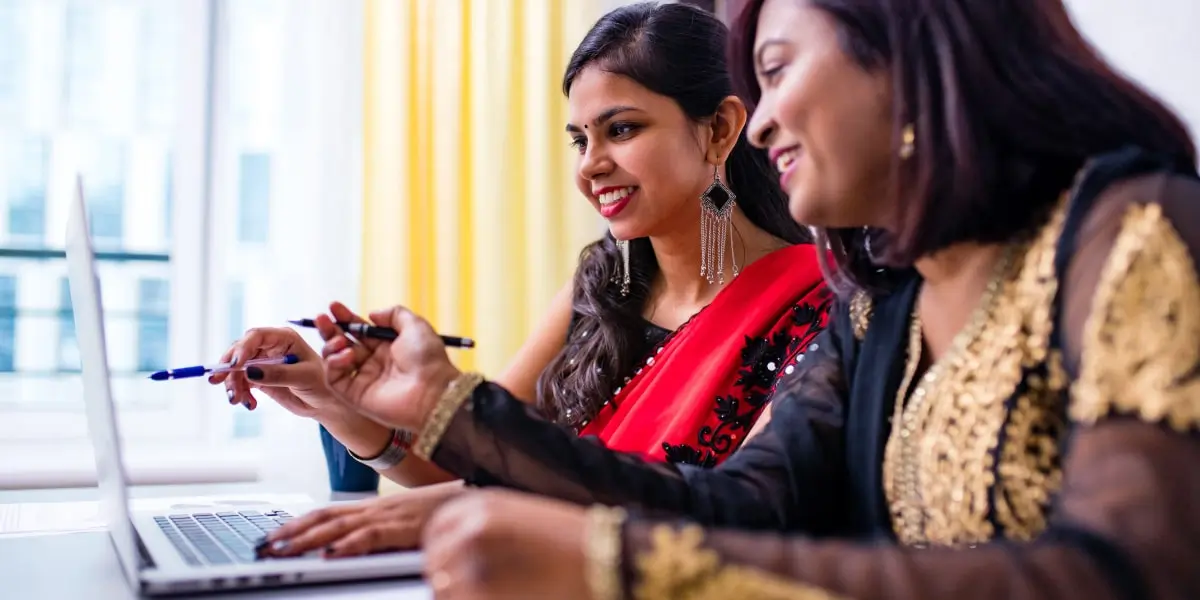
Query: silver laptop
{"x": 182, "y": 552}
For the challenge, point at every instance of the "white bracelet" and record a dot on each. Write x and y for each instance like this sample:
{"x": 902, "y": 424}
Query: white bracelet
{"x": 396, "y": 451}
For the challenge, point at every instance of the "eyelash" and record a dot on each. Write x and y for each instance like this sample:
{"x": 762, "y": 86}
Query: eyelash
{"x": 768, "y": 75}
{"x": 619, "y": 130}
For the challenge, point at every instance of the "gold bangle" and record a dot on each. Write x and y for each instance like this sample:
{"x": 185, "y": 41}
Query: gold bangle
{"x": 443, "y": 412}
{"x": 602, "y": 552}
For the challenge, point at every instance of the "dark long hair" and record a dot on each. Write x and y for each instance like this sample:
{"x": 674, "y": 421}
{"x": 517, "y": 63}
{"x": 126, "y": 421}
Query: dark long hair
{"x": 677, "y": 51}
{"x": 1007, "y": 100}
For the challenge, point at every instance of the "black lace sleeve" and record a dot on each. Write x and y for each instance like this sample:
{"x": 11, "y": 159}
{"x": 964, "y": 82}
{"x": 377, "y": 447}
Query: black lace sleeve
{"x": 494, "y": 439}
{"x": 1125, "y": 524}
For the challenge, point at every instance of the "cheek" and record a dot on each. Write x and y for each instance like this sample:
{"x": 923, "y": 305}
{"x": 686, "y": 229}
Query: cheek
{"x": 582, "y": 184}
{"x": 840, "y": 133}
{"x": 647, "y": 162}
{"x": 798, "y": 113}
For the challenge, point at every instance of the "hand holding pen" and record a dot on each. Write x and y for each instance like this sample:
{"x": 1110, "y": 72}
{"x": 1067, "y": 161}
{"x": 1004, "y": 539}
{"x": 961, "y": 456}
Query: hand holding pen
{"x": 299, "y": 387}
{"x": 299, "y": 384}
{"x": 201, "y": 370}
{"x": 387, "y": 334}
{"x": 356, "y": 329}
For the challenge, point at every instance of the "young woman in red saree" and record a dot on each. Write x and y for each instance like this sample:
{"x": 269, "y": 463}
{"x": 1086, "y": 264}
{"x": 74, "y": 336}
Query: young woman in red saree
{"x": 704, "y": 287}
{"x": 698, "y": 392}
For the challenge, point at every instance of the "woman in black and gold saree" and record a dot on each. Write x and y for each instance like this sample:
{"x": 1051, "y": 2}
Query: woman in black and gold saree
{"x": 1005, "y": 404}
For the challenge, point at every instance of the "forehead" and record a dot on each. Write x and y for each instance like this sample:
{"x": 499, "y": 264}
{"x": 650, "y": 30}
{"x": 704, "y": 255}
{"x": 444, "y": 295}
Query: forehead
{"x": 789, "y": 20}
{"x": 596, "y": 90}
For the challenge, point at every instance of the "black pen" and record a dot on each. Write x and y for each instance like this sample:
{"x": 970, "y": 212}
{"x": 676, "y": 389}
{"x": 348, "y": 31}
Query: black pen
{"x": 384, "y": 333}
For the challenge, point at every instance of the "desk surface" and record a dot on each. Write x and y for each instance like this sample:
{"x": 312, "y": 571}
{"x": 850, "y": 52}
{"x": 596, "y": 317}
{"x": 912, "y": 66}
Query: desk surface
{"x": 84, "y": 565}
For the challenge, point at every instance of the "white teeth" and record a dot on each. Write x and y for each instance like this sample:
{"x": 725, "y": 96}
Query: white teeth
{"x": 784, "y": 161}
{"x": 615, "y": 195}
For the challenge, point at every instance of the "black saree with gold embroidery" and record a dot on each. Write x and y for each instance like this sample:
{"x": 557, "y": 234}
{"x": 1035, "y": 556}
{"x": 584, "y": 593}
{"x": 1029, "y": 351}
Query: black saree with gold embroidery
{"x": 1052, "y": 452}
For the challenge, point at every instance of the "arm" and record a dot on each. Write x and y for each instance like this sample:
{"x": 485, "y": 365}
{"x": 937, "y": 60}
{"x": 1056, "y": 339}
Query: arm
{"x": 495, "y": 439}
{"x": 367, "y": 438}
{"x": 1124, "y": 524}
{"x": 521, "y": 375}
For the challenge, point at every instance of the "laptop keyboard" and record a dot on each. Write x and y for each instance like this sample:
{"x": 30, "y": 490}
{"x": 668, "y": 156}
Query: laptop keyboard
{"x": 220, "y": 538}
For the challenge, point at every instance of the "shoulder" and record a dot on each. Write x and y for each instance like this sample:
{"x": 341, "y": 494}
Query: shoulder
{"x": 1131, "y": 302}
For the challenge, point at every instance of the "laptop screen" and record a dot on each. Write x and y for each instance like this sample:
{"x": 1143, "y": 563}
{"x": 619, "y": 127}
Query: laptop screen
{"x": 97, "y": 390}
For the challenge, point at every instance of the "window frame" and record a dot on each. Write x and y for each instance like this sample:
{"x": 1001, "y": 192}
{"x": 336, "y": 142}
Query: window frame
{"x": 195, "y": 439}
{"x": 54, "y": 438}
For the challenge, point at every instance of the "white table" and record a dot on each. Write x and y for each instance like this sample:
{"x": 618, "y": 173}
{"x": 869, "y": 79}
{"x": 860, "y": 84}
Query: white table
{"x": 84, "y": 565}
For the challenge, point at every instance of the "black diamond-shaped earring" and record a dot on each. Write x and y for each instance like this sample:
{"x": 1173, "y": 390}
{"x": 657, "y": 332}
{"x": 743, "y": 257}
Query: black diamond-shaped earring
{"x": 716, "y": 213}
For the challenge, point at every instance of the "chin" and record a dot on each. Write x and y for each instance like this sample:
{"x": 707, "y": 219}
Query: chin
{"x": 805, "y": 211}
{"x": 625, "y": 231}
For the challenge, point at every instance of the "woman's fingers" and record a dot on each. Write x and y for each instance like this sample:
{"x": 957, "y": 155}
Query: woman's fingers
{"x": 378, "y": 536}
{"x": 318, "y": 533}
{"x": 313, "y": 518}
{"x": 217, "y": 378}
{"x": 341, "y": 314}
{"x": 336, "y": 340}
{"x": 237, "y": 390}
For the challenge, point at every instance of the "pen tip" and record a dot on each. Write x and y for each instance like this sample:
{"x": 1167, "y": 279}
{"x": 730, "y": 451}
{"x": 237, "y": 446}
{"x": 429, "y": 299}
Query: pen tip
{"x": 160, "y": 376}
{"x": 296, "y": 322}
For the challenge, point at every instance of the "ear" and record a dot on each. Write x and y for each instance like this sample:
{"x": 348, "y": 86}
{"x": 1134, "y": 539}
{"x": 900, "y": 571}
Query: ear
{"x": 727, "y": 124}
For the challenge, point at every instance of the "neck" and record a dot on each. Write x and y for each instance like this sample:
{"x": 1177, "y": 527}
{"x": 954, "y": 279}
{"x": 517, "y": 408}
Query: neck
{"x": 678, "y": 254}
{"x": 958, "y": 263}
{"x": 955, "y": 278}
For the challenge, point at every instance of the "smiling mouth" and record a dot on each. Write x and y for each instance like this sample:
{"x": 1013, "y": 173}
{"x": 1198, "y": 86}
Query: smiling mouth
{"x": 785, "y": 160}
{"x": 614, "y": 196}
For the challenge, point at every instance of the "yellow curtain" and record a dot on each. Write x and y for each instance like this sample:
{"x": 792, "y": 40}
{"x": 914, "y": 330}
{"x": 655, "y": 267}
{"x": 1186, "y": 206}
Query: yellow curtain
{"x": 471, "y": 217}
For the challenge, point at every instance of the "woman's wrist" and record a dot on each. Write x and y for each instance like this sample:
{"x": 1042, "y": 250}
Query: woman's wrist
{"x": 443, "y": 398}
{"x": 357, "y": 433}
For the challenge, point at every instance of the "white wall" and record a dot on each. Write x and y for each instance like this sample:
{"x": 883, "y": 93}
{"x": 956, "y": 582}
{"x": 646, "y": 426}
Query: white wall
{"x": 1156, "y": 42}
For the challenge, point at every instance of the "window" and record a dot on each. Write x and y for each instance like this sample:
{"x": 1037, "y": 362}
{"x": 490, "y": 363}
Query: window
{"x": 254, "y": 193}
{"x": 91, "y": 63}
{"x": 152, "y": 333}
{"x": 26, "y": 191}
{"x": 13, "y": 59}
{"x": 168, "y": 200}
{"x": 68, "y": 344}
{"x": 8, "y": 322}
{"x": 190, "y": 121}
{"x": 104, "y": 180}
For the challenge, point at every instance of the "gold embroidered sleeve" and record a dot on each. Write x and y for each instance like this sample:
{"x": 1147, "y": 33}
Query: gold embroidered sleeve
{"x": 679, "y": 567}
{"x": 602, "y": 551}
{"x": 1140, "y": 348}
{"x": 439, "y": 418}
{"x": 1125, "y": 526}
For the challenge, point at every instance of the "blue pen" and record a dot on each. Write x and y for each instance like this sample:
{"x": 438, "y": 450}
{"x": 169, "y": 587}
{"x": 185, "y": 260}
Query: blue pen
{"x": 200, "y": 371}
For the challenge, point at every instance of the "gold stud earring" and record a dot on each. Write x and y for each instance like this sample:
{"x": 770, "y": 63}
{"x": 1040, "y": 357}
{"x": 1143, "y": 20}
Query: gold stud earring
{"x": 908, "y": 140}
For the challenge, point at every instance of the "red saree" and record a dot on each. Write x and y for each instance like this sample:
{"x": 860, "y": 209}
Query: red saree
{"x": 700, "y": 391}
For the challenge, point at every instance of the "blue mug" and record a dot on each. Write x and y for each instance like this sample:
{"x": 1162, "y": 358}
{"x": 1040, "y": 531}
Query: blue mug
{"x": 345, "y": 473}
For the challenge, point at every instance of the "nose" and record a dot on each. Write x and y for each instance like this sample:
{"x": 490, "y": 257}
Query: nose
{"x": 762, "y": 127}
{"x": 594, "y": 163}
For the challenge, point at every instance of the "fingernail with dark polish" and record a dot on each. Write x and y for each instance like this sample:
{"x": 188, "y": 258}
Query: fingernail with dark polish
{"x": 254, "y": 373}
{"x": 279, "y": 546}
{"x": 229, "y": 394}
{"x": 233, "y": 361}
{"x": 329, "y": 550}
{"x": 261, "y": 546}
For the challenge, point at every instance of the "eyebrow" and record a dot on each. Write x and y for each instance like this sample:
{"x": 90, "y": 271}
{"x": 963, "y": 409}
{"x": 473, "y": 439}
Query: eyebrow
{"x": 604, "y": 116}
{"x": 758, "y": 52}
